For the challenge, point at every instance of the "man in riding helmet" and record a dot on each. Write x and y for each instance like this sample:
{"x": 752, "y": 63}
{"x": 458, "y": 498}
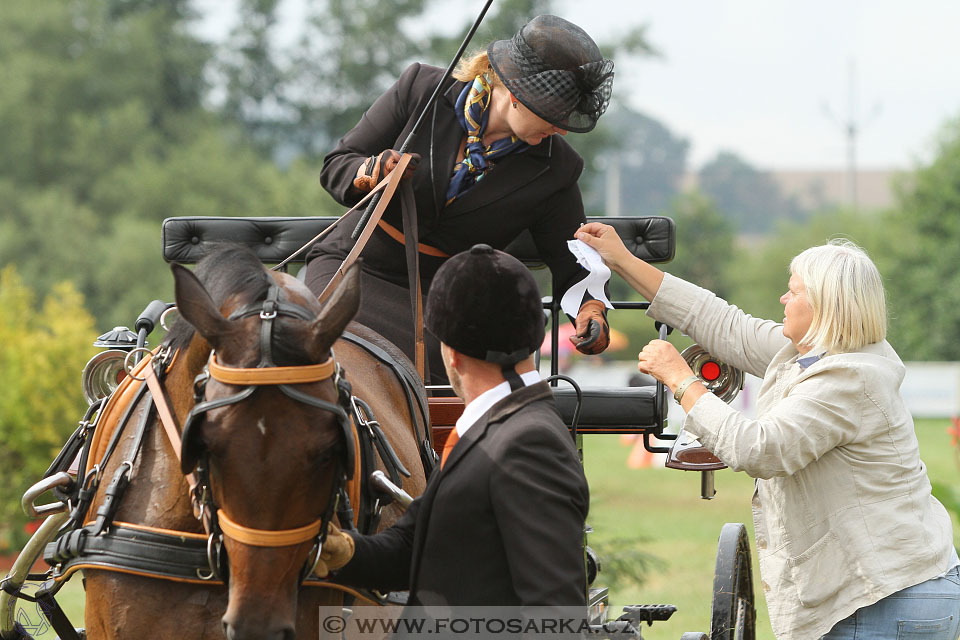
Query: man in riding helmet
{"x": 501, "y": 520}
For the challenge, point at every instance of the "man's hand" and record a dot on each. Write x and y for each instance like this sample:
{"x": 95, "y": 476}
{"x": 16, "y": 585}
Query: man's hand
{"x": 376, "y": 168}
{"x": 593, "y": 332}
{"x": 336, "y": 552}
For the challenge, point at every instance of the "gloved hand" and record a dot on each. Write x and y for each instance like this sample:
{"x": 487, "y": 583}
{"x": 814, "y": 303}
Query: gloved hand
{"x": 336, "y": 552}
{"x": 376, "y": 168}
{"x": 593, "y": 332}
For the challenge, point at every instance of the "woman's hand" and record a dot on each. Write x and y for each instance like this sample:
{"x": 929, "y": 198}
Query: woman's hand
{"x": 375, "y": 168}
{"x": 607, "y": 243}
{"x": 662, "y": 360}
{"x": 643, "y": 277}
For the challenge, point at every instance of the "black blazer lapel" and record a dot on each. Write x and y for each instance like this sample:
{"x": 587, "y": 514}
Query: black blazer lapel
{"x": 445, "y": 137}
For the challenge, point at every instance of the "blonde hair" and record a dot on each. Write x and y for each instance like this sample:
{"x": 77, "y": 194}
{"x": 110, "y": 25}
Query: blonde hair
{"x": 469, "y": 68}
{"x": 845, "y": 292}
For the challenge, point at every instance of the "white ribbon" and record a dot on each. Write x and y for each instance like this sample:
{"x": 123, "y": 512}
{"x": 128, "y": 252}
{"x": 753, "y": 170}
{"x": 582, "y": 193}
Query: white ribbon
{"x": 598, "y": 274}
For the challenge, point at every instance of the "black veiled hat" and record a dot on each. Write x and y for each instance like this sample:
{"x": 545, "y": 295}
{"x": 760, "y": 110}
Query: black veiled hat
{"x": 485, "y": 304}
{"x": 557, "y": 71}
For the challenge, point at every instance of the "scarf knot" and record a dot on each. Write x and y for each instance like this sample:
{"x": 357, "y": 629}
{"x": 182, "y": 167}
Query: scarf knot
{"x": 473, "y": 113}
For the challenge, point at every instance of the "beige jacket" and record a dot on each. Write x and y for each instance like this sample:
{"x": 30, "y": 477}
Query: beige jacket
{"x": 842, "y": 510}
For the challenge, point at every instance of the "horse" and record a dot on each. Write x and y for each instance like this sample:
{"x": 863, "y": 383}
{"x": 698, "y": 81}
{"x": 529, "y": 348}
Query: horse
{"x": 271, "y": 454}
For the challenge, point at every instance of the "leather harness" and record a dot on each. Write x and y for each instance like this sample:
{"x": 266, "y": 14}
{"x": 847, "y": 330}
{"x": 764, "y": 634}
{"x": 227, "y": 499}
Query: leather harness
{"x": 198, "y": 558}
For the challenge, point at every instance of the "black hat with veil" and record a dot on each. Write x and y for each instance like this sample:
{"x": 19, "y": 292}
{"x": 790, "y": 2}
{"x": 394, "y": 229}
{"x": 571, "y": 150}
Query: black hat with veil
{"x": 557, "y": 71}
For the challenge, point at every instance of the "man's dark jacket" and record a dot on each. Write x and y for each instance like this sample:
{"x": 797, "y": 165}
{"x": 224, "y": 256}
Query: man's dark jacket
{"x": 500, "y": 525}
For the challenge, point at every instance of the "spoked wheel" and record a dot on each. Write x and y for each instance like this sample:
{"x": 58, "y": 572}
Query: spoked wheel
{"x": 733, "y": 615}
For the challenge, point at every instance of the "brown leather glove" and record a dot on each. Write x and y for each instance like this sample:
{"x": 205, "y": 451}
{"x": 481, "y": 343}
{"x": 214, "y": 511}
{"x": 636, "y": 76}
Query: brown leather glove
{"x": 593, "y": 332}
{"x": 337, "y": 551}
{"x": 376, "y": 168}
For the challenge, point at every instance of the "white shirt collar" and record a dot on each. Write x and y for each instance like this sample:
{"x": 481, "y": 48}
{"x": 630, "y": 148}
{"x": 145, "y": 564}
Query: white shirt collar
{"x": 482, "y": 403}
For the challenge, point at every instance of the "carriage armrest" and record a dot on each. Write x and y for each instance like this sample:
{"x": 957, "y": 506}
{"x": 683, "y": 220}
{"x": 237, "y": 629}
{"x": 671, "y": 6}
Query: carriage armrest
{"x": 611, "y": 409}
{"x": 187, "y": 239}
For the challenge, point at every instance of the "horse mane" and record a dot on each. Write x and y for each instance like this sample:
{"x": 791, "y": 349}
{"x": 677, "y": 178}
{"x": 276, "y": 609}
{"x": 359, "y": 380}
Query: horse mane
{"x": 228, "y": 269}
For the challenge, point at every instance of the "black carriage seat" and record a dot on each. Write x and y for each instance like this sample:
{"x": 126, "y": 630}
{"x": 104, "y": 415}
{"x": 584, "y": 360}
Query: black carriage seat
{"x": 273, "y": 239}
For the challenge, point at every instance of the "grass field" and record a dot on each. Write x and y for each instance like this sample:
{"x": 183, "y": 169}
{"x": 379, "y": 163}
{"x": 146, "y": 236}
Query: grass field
{"x": 659, "y": 512}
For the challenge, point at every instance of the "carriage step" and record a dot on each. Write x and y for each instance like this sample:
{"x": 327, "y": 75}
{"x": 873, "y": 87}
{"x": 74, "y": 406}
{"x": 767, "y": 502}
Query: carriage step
{"x": 649, "y": 613}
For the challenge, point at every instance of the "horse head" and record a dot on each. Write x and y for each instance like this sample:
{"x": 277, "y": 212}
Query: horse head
{"x": 268, "y": 436}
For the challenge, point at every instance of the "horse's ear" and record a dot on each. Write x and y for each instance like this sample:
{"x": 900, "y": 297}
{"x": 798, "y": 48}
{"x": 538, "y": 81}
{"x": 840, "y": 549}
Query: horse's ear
{"x": 338, "y": 310}
{"x": 196, "y": 306}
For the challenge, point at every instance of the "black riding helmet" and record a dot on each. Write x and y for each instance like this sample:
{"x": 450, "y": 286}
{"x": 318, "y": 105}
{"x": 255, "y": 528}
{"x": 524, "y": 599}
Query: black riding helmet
{"x": 485, "y": 304}
{"x": 557, "y": 71}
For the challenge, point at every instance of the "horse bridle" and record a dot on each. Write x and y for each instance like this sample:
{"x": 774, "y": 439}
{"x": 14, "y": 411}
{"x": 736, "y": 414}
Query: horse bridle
{"x": 266, "y": 373}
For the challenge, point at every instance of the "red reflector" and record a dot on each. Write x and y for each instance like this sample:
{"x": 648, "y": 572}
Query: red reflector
{"x": 710, "y": 371}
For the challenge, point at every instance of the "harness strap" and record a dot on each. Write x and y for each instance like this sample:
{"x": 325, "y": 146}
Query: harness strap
{"x": 393, "y": 180}
{"x": 408, "y": 209}
{"x": 167, "y": 419}
{"x": 265, "y": 537}
{"x": 413, "y": 392}
{"x": 150, "y": 552}
{"x": 398, "y": 235}
{"x": 270, "y": 375}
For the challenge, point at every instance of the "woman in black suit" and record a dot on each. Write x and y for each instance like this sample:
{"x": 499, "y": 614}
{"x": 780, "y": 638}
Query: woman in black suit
{"x": 492, "y": 164}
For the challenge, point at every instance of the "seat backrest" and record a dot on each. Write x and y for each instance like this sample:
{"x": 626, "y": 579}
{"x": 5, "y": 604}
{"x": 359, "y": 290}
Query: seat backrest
{"x": 187, "y": 239}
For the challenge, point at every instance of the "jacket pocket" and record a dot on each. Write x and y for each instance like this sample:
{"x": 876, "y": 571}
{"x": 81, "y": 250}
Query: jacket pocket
{"x": 821, "y": 571}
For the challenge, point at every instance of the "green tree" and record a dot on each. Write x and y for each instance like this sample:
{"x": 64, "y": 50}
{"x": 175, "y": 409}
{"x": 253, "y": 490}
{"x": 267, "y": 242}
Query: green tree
{"x": 43, "y": 348}
{"x": 760, "y": 270}
{"x": 650, "y": 161}
{"x": 117, "y": 139}
{"x": 705, "y": 248}
{"x": 749, "y": 198}
{"x": 922, "y": 277}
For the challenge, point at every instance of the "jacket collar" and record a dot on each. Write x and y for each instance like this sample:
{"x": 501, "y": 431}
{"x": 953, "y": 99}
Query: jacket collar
{"x": 497, "y": 413}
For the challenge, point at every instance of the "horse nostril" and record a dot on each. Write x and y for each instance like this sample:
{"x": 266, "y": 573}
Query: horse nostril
{"x": 286, "y": 633}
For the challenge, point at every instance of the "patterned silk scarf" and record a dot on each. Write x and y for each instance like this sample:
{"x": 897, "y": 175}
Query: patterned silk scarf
{"x": 473, "y": 113}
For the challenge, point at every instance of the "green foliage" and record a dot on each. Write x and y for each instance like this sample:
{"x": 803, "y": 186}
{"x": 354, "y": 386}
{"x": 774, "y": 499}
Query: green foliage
{"x": 749, "y": 198}
{"x": 923, "y": 281}
{"x": 650, "y": 161}
{"x": 759, "y": 276}
{"x": 625, "y": 564}
{"x": 44, "y": 348}
{"x": 704, "y": 243}
{"x": 106, "y": 135}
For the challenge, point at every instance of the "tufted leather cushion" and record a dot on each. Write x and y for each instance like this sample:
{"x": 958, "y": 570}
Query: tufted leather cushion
{"x": 187, "y": 239}
{"x": 610, "y": 409}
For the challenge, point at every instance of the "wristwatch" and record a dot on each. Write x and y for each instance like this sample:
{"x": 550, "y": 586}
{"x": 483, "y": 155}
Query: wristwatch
{"x": 683, "y": 386}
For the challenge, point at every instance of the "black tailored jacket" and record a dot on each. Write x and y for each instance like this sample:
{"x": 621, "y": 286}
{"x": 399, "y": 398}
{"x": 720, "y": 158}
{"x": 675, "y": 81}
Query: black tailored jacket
{"x": 501, "y": 524}
{"x": 536, "y": 189}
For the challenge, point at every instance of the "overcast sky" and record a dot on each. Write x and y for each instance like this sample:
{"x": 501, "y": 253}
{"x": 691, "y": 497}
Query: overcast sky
{"x": 771, "y": 80}
{"x": 754, "y": 76}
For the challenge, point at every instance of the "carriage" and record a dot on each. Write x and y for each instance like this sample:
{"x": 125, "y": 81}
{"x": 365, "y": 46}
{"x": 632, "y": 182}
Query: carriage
{"x": 637, "y": 410}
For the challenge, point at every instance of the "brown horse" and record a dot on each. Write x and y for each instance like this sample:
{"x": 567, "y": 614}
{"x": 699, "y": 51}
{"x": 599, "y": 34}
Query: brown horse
{"x": 272, "y": 458}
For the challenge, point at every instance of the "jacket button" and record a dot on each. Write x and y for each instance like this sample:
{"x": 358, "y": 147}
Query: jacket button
{"x": 766, "y": 587}
{"x": 761, "y": 543}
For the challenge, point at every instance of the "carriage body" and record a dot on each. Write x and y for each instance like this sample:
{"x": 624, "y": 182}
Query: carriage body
{"x": 639, "y": 410}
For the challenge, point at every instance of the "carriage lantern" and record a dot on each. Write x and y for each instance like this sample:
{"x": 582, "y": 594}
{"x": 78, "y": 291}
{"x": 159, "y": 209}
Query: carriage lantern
{"x": 104, "y": 371}
{"x": 720, "y": 379}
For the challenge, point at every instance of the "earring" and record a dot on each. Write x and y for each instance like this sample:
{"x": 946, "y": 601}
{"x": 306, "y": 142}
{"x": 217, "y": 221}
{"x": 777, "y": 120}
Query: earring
{"x": 514, "y": 104}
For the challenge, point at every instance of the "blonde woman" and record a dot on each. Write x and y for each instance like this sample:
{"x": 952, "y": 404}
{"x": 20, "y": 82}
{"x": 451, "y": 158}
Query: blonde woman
{"x": 851, "y": 542}
{"x": 493, "y": 164}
